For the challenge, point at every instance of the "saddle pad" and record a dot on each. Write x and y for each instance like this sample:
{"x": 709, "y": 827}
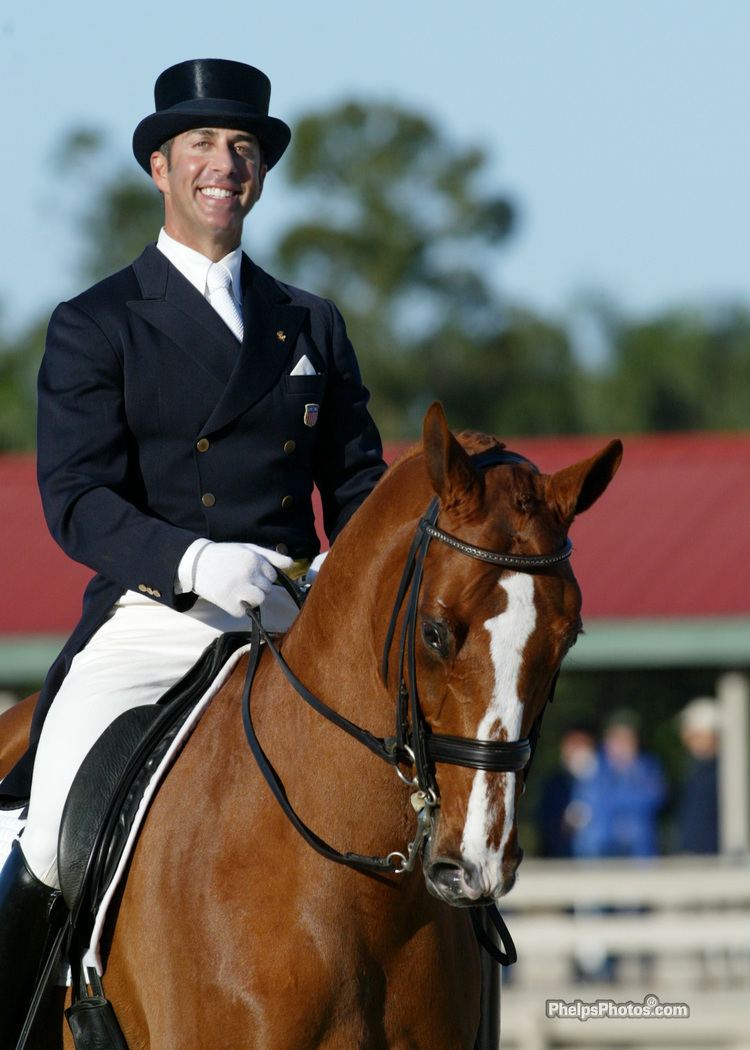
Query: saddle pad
{"x": 116, "y": 783}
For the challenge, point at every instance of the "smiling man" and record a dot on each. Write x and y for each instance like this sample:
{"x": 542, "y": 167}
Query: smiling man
{"x": 210, "y": 179}
{"x": 187, "y": 406}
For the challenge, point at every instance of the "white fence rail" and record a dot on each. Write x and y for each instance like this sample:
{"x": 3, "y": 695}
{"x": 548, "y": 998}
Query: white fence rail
{"x": 619, "y": 931}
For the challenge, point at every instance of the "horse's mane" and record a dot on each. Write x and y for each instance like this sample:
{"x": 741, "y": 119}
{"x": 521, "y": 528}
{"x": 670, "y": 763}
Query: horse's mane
{"x": 472, "y": 441}
{"x": 476, "y": 441}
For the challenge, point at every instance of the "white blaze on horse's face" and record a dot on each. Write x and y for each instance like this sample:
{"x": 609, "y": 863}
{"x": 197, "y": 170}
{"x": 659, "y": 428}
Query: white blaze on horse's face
{"x": 509, "y": 633}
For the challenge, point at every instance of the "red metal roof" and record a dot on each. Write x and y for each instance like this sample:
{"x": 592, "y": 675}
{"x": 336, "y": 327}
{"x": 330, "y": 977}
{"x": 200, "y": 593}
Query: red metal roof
{"x": 669, "y": 536}
{"x": 667, "y": 539}
{"x": 41, "y": 588}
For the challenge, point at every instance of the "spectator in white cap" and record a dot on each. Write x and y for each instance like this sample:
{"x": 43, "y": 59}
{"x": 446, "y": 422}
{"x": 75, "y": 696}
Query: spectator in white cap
{"x": 698, "y": 805}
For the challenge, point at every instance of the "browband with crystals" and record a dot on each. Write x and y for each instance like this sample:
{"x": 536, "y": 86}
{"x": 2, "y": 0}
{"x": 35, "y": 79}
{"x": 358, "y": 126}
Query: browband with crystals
{"x": 524, "y": 562}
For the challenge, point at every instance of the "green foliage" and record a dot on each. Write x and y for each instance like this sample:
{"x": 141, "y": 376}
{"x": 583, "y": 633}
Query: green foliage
{"x": 123, "y": 216}
{"x": 402, "y": 236}
{"x": 19, "y": 363}
{"x": 679, "y": 371}
{"x": 404, "y": 229}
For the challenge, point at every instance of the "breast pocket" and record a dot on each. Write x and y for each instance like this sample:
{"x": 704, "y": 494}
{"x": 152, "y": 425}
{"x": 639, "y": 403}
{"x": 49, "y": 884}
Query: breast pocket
{"x": 303, "y": 398}
{"x": 312, "y": 388}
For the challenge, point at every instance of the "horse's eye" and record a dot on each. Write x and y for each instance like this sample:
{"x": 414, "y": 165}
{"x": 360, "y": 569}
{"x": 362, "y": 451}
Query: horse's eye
{"x": 435, "y": 636}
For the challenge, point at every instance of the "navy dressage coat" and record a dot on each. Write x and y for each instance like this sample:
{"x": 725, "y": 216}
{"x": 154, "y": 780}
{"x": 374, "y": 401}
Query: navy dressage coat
{"x": 156, "y": 428}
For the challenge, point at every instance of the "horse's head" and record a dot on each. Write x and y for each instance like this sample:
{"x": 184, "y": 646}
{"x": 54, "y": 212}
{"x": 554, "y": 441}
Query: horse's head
{"x": 489, "y": 640}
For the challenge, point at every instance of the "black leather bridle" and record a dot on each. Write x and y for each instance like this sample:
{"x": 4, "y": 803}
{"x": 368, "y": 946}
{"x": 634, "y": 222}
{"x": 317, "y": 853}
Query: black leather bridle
{"x": 414, "y": 743}
{"x": 413, "y": 734}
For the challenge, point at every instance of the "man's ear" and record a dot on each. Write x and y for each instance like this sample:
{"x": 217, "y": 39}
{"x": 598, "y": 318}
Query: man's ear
{"x": 262, "y": 172}
{"x": 159, "y": 169}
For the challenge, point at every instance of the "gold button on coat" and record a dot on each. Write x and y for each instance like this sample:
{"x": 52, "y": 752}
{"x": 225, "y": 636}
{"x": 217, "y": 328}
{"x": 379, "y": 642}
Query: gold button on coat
{"x": 208, "y": 499}
{"x": 289, "y": 447}
{"x": 142, "y": 588}
{"x": 281, "y": 548}
{"x": 203, "y": 445}
{"x": 287, "y": 503}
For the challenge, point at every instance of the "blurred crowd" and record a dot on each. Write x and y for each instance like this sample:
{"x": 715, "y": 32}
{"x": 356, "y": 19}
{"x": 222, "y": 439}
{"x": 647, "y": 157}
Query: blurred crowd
{"x": 607, "y": 795}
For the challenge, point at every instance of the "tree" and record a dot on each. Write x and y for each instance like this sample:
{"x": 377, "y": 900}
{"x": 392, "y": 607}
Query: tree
{"x": 682, "y": 370}
{"x": 19, "y": 364}
{"x": 125, "y": 212}
{"x": 403, "y": 228}
{"x": 402, "y": 236}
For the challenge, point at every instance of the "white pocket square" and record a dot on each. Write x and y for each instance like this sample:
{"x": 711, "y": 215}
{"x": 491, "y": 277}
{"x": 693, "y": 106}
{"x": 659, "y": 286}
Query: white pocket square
{"x": 304, "y": 367}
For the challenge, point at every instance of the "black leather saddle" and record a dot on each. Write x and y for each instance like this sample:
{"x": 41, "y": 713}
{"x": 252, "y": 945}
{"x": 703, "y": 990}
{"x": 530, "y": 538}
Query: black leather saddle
{"x": 110, "y": 783}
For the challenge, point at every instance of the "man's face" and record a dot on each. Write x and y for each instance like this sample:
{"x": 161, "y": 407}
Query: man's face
{"x": 211, "y": 181}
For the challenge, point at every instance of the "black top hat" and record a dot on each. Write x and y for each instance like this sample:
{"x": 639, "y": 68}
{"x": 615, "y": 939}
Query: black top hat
{"x": 211, "y": 92}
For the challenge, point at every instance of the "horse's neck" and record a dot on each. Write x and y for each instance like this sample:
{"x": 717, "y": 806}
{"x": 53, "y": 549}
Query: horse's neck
{"x": 335, "y": 648}
{"x": 339, "y": 636}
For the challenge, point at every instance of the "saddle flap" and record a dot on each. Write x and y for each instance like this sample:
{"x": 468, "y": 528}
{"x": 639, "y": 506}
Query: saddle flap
{"x": 93, "y": 792}
{"x": 108, "y": 787}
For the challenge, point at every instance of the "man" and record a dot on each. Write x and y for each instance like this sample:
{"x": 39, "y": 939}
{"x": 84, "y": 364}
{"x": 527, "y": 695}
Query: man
{"x": 698, "y": 798}
{"x": 187, "y": 404}
{"x": 622, "y": 795}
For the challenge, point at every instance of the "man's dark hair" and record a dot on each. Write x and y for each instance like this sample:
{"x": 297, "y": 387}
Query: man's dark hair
{"x": 166, "y": 149}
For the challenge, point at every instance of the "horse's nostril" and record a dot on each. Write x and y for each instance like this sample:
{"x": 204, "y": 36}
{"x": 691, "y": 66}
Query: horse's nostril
{"x": 453, "y": 877}
{"x": 446, "y": 875}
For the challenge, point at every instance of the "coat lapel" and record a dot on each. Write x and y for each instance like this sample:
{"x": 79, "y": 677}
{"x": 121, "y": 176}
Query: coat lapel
{"x": 173, "y": 306}
{"x": 272, "y": 324}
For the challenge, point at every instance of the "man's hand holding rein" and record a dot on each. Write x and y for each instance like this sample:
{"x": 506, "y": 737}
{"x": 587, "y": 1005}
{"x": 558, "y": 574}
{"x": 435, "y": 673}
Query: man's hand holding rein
{"x": 230, "y": 575}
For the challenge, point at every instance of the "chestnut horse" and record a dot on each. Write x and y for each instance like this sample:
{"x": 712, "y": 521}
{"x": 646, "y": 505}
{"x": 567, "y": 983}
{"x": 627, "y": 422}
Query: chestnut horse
{"x": 232, "y": 932}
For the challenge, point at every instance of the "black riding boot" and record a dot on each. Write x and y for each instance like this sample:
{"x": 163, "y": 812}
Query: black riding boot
{"x": 30, "y": 917}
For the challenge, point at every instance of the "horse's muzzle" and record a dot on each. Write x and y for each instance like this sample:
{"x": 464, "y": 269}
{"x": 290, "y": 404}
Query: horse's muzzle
{"x": 464, "y": 884}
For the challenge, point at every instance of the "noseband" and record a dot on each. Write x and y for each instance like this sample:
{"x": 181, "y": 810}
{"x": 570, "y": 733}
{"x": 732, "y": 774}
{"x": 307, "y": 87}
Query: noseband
{"x": 414, "y": 743}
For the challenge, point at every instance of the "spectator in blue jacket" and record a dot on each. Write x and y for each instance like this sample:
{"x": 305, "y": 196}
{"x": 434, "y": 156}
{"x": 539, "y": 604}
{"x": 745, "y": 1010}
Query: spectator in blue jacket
{"x": 622, "y": 796}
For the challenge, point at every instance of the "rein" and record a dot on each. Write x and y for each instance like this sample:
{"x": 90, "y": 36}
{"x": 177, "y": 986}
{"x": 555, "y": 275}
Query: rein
{"x": 414, "y": 743}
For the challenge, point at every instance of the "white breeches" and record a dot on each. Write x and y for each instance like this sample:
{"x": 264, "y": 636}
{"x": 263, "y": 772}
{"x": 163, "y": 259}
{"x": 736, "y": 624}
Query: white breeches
{"x": 134, "y": 657}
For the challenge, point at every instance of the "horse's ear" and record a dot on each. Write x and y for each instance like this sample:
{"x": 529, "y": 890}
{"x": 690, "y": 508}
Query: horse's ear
{"x": 575, "y": 488}
{"x": 451, "y": 471}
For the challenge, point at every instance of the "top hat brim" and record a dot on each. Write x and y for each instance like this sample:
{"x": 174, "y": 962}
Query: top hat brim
{"x": 272, "y": 134}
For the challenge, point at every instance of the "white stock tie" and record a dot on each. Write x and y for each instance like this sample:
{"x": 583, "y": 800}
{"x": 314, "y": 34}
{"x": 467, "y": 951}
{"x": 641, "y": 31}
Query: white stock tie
{"x": 219, "y": 284}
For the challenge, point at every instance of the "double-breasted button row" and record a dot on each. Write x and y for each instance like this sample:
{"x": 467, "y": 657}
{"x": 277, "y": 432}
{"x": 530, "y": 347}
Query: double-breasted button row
{"x": 290, "y": 446}
{"x": 207, "y": 499}
{"x": 145, "y": 589}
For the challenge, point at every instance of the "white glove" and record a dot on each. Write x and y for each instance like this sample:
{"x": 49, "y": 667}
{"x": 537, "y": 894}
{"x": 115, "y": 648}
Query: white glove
{"x": 233, "y": 575}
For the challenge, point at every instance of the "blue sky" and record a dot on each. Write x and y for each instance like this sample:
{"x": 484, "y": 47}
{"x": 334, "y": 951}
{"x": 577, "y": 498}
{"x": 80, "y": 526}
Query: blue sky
{"x": 620, "y": 127}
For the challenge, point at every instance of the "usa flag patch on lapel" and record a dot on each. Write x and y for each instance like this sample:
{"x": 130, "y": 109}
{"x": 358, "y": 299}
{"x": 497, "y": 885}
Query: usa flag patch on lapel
{"x": 310, "y": 417}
